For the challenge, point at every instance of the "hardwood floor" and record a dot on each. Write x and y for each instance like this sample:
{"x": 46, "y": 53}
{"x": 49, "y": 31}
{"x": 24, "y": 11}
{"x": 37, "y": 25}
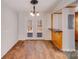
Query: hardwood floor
{"x": 34, "y": 50}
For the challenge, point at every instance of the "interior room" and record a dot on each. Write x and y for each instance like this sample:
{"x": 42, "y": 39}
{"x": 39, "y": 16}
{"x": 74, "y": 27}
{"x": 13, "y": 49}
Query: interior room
{"x": 39, "y": 29}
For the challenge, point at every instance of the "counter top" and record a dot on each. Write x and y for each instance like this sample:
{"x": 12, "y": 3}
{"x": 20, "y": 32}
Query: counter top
{"x": 55, "y": 30}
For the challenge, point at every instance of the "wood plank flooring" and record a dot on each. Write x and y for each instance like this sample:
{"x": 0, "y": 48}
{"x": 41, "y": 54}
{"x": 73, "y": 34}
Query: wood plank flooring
{"x": 29, "y": 49}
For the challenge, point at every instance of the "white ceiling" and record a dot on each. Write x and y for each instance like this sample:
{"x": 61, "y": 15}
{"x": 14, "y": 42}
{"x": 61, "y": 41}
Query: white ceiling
{"x": 24, "y": 5}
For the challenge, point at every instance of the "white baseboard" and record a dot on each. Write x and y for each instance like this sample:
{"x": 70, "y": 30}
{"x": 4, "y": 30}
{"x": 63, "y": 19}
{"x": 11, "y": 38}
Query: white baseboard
{"x": 68, "y": 50}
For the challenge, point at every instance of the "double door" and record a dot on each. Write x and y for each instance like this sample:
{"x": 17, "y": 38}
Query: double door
{"x": 34, "y": 29}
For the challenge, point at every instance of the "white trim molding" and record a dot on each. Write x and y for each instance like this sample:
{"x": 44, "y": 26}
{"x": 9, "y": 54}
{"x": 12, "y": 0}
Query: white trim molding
{"x": 68, "y": 50}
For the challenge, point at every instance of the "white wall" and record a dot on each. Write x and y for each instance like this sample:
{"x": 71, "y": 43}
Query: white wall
{"x": 57, "y": 21}
{"x": 68, "y": 35}
{"x": 8, "y": 29}
{"x": 23, "y": 17}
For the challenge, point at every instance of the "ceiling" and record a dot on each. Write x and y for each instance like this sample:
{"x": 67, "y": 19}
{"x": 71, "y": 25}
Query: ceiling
{"x": 24, "y": 5}
{"x": 73, "y": 5}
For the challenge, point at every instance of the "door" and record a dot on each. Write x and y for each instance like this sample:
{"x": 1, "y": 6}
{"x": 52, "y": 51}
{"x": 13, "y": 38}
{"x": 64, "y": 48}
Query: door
{"x": 34, "y": 29}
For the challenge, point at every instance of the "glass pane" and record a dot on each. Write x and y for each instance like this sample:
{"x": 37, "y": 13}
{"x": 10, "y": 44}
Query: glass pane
{"x": 39, "y": 26}
{"x": 39, "y": 34}
{"x": 29, "y": 34}
{"x": 29, "y": 26}
{"x": 70, "y": 21}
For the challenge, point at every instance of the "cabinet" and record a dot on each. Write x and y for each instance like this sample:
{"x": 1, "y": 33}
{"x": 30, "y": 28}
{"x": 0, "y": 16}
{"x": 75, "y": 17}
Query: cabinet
{"x": 57, "y": 38}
